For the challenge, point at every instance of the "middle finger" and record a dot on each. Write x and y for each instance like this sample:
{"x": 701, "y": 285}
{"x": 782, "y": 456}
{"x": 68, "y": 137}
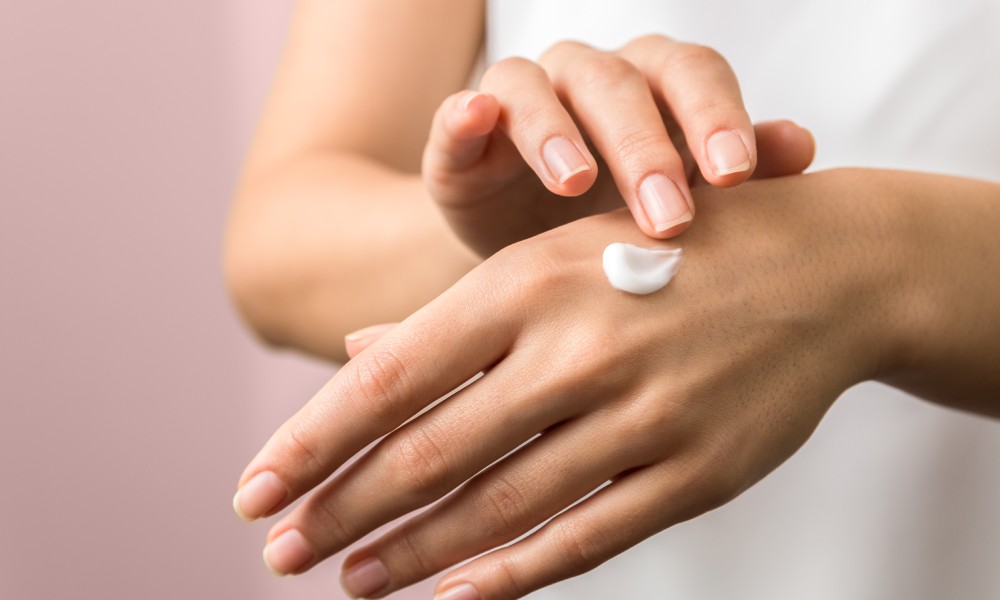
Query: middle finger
{"x": 611, "y": 99}
{"x": 498, "y": 505}
{"x": 421, "y": 462}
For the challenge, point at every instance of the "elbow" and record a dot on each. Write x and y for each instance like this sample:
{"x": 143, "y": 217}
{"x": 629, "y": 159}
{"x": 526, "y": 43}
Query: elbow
{"x": 274, "y": 295}
{"x": 250, "y": 283}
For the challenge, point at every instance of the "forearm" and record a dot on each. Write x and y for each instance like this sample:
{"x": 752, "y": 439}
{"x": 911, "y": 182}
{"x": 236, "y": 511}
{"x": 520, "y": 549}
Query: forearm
{"x": 331, "y": 243}
{"x": 951, "y": 349}
{"x": 331, "y": 229}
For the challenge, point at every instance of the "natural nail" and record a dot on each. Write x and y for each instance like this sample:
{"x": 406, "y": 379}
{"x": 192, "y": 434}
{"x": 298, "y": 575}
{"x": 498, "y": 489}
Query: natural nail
{"x": 259, "y": 496}
{"x": 468, "y": 98}
{"x": 357, "y": 336}
{"x": 462, "y": 591}
{"x": 288, "y": 553}
{"x": 563, "y": 159}
{"x": 365, "y": 578}
{"x": 663, "y": 202}
{"x": 727, "y": 153}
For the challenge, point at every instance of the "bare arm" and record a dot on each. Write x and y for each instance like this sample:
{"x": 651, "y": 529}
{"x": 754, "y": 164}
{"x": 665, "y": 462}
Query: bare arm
{"x": 331, "y": 228}
{"x": 951, "y": 318}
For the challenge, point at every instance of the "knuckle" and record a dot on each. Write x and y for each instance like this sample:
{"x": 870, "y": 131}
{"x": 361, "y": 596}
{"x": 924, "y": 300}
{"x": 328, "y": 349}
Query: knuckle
{"x": 437, "y": 178}
{"x": 562, "y": 48}
{"x": 513, "y": 66}
{"x": 605, "y": 70}
{"x": 656, "y": 421}
{"x": 336, "y": 534}
{"x": 302, "y": 446}
{"x": 505, "y": 573}
{"x": 694, "y": 57}
{"x": 698, "y": 491}
{"x": 642, "y": 142}
{"x": 725, "y": 470}
{"x": 527, "y": 118}
{"x": 650, "y": 40}
{"x": 524, "y": 272}
{"x": 503, "y": 507}
{"x": 582, "y": 545}
{"x": 596, "y": 358}
{"x": 420, "y": 461}
{"x": 380, "y": 381}
{"x": 414, "y": 553}
{"x": 652, "y": 45}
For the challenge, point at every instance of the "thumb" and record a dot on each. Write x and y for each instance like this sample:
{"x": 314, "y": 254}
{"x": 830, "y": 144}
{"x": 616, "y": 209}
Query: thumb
{"x": 357, "y": 341}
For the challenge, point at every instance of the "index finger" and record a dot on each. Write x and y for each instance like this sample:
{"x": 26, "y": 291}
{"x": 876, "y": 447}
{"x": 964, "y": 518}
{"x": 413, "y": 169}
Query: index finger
{"x": 374, "y": 393}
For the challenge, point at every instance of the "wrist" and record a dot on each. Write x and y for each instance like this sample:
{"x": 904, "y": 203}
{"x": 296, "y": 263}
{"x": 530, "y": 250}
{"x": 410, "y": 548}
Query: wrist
{"x": 874, "y": 270}
{"x": 944, "y": 308}
{"x": 894, "y": 255}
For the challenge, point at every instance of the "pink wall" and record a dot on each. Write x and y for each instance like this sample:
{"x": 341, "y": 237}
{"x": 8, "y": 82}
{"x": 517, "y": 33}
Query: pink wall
{"x": 131, "y": 395}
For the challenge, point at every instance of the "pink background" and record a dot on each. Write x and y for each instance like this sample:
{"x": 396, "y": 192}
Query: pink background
{"x": 132, "y": 397}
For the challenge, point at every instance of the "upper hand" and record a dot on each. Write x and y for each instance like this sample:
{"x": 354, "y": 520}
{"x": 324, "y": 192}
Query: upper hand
{"x": 682, "y": 399}
{"x": 660, "y": 114}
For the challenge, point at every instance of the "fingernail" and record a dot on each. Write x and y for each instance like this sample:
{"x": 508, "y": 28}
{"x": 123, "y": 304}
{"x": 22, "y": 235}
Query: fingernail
{"x": 467, "y": 99}
{"x": 259, "y": 496}
{"x": 728, "y": 153}
{"x": 663, "y": 202}
{"x": 462, "y": 591}
{"x": 357, "y": 336}
{"x": 288, "y": 553}
{"x": 563, "y": 159}
{"x": 365, "y": 578}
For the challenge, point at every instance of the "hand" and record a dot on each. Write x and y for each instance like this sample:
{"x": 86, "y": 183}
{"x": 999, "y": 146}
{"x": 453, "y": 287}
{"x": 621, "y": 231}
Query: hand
{"x": 682, "y": 399}
{"x": 657, "y": 110}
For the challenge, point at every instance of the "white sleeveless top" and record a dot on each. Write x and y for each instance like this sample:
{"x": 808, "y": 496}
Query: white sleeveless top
{"x": 892, "y": 497}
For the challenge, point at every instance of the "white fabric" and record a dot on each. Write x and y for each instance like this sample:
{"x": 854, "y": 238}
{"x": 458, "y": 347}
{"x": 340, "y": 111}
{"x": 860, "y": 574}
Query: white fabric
{"x": 892, "y": 497}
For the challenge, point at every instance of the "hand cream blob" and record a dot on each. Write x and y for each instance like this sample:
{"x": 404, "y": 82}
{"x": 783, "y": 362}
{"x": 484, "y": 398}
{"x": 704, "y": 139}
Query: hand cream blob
{"x": 639, "y": 270}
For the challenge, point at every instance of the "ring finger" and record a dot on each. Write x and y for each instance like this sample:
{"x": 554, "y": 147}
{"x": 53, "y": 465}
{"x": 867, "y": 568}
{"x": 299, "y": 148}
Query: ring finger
{"x": 611, "y": 99}
{"x": 503, "y": 502}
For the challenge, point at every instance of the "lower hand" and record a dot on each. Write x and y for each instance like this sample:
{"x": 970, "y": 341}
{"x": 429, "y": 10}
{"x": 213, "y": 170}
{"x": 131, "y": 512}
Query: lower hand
{"x": 661, "y": 115}
{"x": 681, "y": 399}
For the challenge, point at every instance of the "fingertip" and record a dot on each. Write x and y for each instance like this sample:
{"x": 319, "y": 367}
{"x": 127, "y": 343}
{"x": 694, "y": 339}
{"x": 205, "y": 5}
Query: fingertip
{"x": 673, "y": 229}
{"x": 664, "y": 231}
{"x": 461, "y": 591}
{"x": 352, "y": 349}
{"x": 787, "y": 131}
{"x": 570, "y": 167}
{"x": 789, "y": 147}
{"x": 809, "y": 143}
{"x": 475, "y": 101}
{"x": 731, "y": 179}
{"x": 729, "y": 157}
{"x": 289, "y": 553}
{"x": 577, "y": 182}
{"x": 465, "y": 98}
{"x": 663, "y": 205}
{"x": 357, "y": 341}
{"x": 474, "y": 114}
{"x": 262, "y": 495}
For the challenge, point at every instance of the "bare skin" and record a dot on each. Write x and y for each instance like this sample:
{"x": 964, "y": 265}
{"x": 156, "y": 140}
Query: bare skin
{"x": 334, "y": 166}
{"x": 793, "y": 290}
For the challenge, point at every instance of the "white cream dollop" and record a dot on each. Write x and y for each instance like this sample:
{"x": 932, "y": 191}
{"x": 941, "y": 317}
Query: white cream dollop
{"x": 639, "y": 270}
